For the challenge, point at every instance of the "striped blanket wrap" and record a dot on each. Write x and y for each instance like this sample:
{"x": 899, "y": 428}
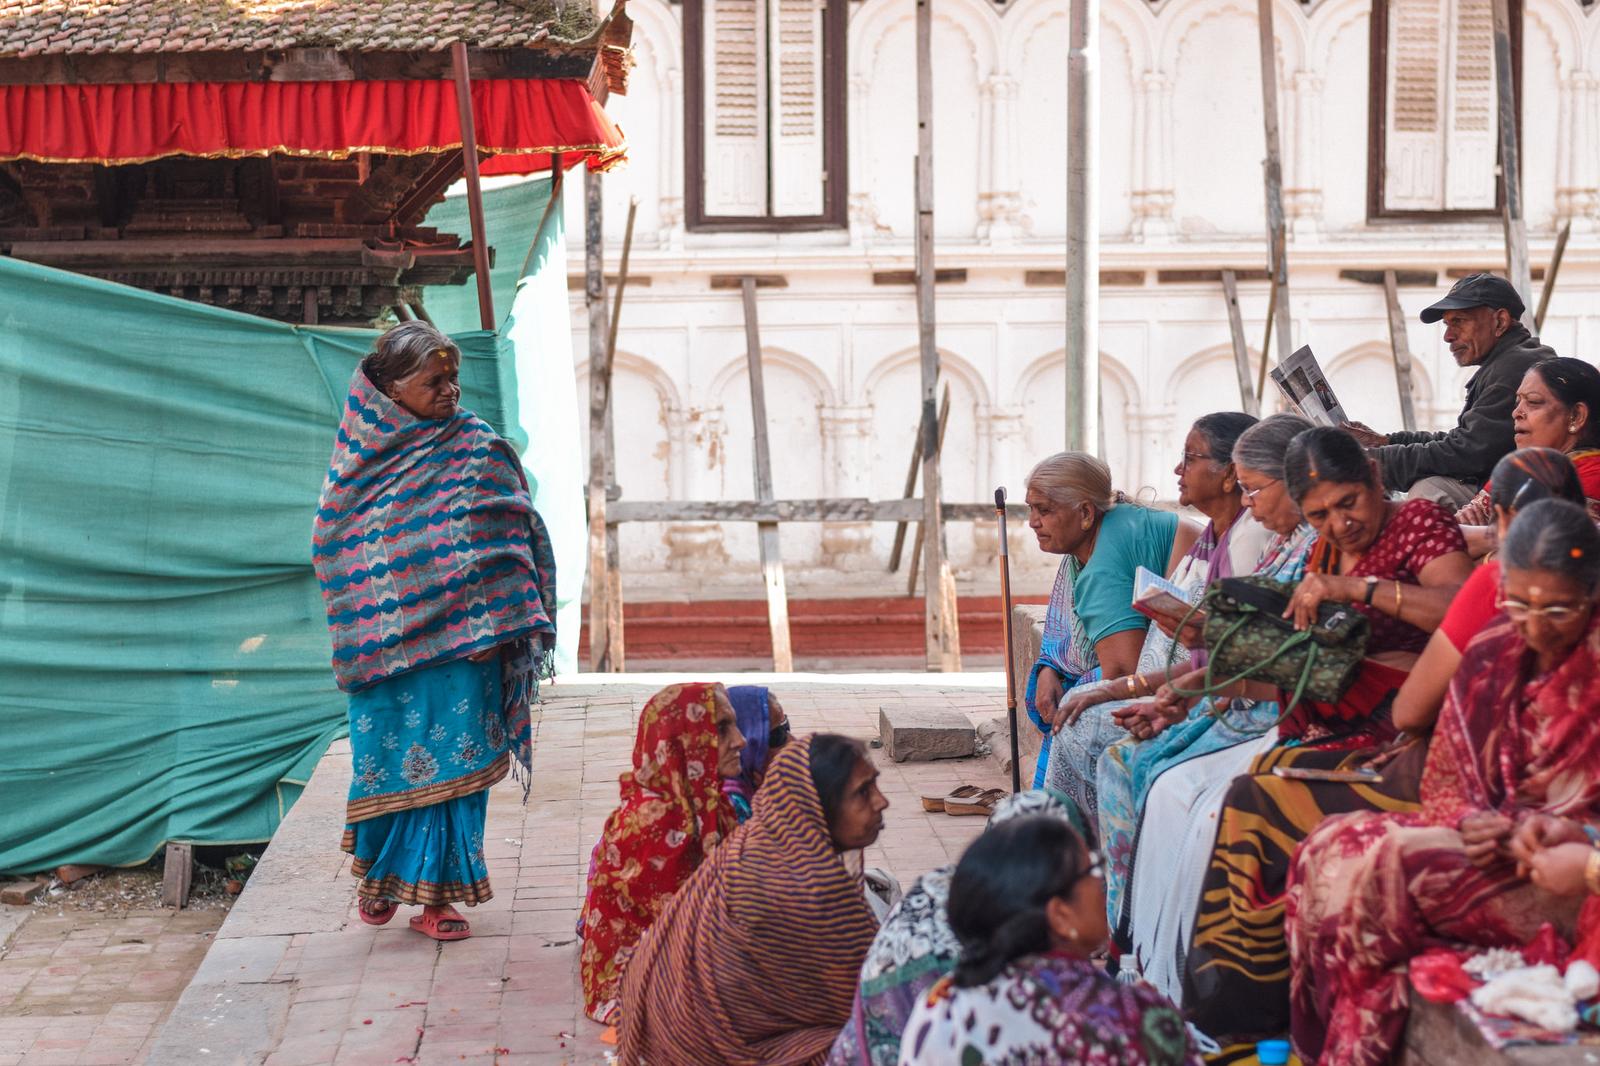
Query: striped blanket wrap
{"x": 428, "y": 549}
{"x": 755, "y": 961}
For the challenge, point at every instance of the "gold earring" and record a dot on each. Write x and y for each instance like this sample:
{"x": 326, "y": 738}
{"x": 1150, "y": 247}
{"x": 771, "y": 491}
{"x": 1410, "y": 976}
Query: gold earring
{"x": 1087, "y": 523}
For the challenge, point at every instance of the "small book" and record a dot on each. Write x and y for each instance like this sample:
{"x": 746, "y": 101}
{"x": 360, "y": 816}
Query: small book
{"x": 1156, "y": 597}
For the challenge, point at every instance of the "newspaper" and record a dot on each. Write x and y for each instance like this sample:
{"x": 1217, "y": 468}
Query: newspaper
{"x": 1305, "y": 386}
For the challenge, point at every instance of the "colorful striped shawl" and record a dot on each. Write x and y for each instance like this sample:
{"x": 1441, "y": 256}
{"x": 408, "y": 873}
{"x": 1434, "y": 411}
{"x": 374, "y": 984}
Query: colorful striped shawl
{"x": 428, "y": 548}
{"x": 756, "y": 959}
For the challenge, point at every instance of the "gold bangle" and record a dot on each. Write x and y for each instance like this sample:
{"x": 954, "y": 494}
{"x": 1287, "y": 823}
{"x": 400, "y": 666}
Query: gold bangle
{"x": 1397, "y": 599}
{"x": 1591, "y": 873}
{"x": 1131, "y": 690}
{"x": 1144, "y": 683}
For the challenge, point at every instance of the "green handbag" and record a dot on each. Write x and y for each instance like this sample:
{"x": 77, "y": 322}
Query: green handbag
{"x": 1248, "y": 638}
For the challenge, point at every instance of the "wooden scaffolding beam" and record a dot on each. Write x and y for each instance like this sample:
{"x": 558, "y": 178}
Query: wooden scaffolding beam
{"x": 766, "y": 532}
{"x": 1083, "y": 228}
{"x": 1277, "y": 237}
{"x": 469, "y": 157}
{"x": 1518, "y": 270}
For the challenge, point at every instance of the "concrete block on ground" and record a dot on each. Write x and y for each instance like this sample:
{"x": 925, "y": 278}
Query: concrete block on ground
{"x": 922, "y": 732}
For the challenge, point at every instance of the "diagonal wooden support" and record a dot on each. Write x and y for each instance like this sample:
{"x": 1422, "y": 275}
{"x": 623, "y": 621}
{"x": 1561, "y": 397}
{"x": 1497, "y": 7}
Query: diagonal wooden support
{"x": 767, "y": 532}
{"x": 1402, "y": 351}
{"x": 916, "y": 548}
{"x": 911, "y": 487}
{"x": 1241, "y": 351}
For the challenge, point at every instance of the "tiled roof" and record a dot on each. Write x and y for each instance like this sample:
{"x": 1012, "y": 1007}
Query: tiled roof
{"x": 89, "y": 27}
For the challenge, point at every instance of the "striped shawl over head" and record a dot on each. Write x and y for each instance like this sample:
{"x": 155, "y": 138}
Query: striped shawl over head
{"x": 756, "y": 959}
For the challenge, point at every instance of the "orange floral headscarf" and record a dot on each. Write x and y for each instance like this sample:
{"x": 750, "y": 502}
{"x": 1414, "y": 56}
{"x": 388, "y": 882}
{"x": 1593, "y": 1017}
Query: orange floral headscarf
{"x": 673, "y": 812}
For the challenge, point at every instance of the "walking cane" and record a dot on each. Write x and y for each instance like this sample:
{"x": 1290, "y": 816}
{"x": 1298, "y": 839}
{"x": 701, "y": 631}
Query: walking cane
{"x": 1005, "y": 622}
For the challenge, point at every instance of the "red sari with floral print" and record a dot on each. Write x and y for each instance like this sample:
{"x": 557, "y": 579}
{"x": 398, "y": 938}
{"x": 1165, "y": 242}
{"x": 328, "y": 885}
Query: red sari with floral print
{"x": 673, "y": 812}
{"x": 1368, "y": 891}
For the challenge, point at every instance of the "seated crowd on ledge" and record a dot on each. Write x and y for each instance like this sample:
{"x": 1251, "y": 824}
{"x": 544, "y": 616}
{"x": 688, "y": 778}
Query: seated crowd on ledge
{"x": 1210, "y": 855}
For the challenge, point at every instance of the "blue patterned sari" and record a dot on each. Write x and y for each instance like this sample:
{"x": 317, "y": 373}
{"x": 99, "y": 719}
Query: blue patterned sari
{"x": 427, "y": 745}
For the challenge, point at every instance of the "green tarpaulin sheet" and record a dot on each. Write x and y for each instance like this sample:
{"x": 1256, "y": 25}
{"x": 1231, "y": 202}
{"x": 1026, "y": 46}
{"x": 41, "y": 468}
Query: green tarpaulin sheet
{"x": 164, "y": 658}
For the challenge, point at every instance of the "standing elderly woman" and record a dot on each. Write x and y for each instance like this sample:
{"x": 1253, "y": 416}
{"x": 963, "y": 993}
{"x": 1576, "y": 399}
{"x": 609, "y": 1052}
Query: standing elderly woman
{"x": 1399, "y": 564}
{"x": 1517, "y": 745}
{"x": 1558, "y": 406}
{"x": 1218, "y": 738}
{"x": 440, "y": 591}
{"x": 1090, "y": 627}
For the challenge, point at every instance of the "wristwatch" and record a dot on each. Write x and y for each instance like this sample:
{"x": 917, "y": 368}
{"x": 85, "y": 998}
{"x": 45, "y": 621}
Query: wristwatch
{"x": 1372, "y": 586}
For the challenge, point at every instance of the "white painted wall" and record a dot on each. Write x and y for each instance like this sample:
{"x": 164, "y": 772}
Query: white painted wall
{"x": 1181, "y": 189}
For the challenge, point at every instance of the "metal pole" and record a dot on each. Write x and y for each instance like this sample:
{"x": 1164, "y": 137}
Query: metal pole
{"x": 1083, "y": 227}
{"x": 1520, "y": 273}
{"x": 1277, "y": 240}
{"x": 941, "y": 627}
{"x": 469, "y": 157}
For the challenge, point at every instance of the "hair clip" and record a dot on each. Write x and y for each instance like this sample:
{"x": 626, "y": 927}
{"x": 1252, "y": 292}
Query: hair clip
{"x": 1577, "y": 553}
{"x": 442, "y": 353}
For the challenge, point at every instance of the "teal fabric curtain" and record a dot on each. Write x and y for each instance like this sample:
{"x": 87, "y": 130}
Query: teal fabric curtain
{"x": 164, "y": 659}
{"x": 536, "y": 325}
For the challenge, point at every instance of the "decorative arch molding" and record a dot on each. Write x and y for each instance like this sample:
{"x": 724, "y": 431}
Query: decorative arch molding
{"x": 974, "y": 19}
{"x": 1564, "y": 30}
{"x": 950, "y": 364}
{"x": 1326, "y": 22}
{"x": 1198, "y": 363}
{"x": 659, "y": 25}
{"x": 1421, "y": 382}
{"x": 809, "y": 372}
{"x": 1133, "y": 23}
{"x": 647, "y": 369}
{"x": 1180, "y": 18}
{"x": 1110, "y": 367}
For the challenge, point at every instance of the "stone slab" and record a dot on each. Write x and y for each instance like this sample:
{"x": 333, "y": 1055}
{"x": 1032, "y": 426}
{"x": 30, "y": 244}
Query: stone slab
{"x": 224, "y": 1024}
{"x": 20, "y": 893}
{"x": 925, "y": 732}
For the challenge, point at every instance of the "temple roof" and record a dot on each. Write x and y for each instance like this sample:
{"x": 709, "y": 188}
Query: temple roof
{"x": 103, "y": 27}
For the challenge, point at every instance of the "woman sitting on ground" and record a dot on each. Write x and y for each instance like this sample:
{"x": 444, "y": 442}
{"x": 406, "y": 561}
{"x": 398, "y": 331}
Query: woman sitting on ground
{"x": 1518, "y": 737}
{"x": 1399, "y": 564}
{"x": 766, "y": 729}
{"x": 755, "y": 960}
{"x": 916, "y": 947}
{"x": 1027, "y": 905}
{"x": 1090, "y": 627}
{"x": 1089, "y": 718}
{"x": 1521, "y": 478}
{"x": 673, "y": 812}
{"x": 443, "y": 663}
{"x": 1558, "y": 406}
{"x": 1216, "y": 741}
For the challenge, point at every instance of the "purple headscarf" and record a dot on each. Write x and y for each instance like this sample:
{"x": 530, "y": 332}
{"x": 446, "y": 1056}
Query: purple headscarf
{"x": 751, "y": 710}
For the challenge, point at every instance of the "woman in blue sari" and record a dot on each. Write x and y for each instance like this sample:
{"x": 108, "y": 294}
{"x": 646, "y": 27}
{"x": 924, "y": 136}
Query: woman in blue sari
{"x": 440, "y": 591}
{"x": 1090, "y": 627}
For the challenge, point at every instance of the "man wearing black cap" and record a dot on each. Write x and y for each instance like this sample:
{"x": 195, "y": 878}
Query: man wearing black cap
{"x": 1482, "y": 326}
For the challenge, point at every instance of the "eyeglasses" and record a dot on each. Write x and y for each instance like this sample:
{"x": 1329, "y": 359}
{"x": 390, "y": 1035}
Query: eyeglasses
{"x": 1249, "y": 495}
{"x": 1096, "y": 868}
{"x": 1518, "y": 611}
{"x": 1193, "y": 457}
{"x": 779, "y": 735}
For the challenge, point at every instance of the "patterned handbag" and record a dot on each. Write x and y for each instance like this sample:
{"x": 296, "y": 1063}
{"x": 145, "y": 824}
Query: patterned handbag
{"x": 1248, "y": 638}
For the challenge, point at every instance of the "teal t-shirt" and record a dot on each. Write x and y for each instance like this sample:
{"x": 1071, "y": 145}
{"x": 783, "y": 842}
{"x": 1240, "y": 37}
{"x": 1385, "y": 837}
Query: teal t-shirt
{"x": 1130, "y": 537}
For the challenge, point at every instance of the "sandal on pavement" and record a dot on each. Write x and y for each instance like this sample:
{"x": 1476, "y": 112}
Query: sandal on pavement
{"x": 428, "y": 922}
{"x": 984, "y": 803}
{"x": 376, "y": 917}
{"x": 936, "y": 803}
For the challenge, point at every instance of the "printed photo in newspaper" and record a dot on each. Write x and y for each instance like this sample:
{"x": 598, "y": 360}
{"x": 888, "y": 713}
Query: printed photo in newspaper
{"x": 1305, "y": 386}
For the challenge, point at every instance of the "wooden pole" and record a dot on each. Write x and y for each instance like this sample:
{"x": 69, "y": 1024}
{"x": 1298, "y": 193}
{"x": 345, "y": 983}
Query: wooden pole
{"x": 469, "y": 157}
{"x": 1277, "y": 239}
{"x": 911, "y": 490}
{"x": 1550, "y": 276}
{"x": 1518, "y": 271}
{"x": 1005, "y": 626}
{"x": 601, "y": 609}
{"x": 1402, "y": 351}
{"x": 1083, "y": 226}
{"x": 616, "y": 628}
{"x": 1266, "y": 343}
{"x": 941, "y": 625}
{"x": 916, "y": 548}
{"x": 1241, "y": 351}
{"x": 557, "y": 186}
{"x": 771, "y": 559}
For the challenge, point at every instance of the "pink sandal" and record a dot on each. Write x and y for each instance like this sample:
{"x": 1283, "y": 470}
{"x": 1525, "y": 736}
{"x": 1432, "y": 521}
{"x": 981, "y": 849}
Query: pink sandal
{"x": 427, "y": 923}
{"x": 376, "y": 918}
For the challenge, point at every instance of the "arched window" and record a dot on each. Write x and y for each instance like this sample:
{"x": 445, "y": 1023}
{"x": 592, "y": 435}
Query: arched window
{"x": 765, "y": 100}
{"x": 1433, "y": 108}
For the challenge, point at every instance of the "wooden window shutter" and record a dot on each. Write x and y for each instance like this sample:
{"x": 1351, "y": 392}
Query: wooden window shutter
{"x": 1472, "y": 119}
{"x": 797, "y": 118}
{"x": 735, "y": 77}
{"x": 1414, "y": 157}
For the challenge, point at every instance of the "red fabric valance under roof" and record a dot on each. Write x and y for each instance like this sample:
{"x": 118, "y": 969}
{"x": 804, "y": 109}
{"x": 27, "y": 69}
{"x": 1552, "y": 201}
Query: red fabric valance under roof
{"x": 520, "y": 121}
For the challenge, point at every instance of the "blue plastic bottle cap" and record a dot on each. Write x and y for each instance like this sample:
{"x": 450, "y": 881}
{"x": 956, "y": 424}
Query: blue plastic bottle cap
{"x": 1273, "y": 1053}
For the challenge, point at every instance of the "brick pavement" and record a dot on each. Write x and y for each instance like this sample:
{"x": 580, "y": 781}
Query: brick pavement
{"x": 296, "y": 979}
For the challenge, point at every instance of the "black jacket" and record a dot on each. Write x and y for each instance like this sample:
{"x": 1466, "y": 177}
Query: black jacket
{"x": 1483, "y": 433}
